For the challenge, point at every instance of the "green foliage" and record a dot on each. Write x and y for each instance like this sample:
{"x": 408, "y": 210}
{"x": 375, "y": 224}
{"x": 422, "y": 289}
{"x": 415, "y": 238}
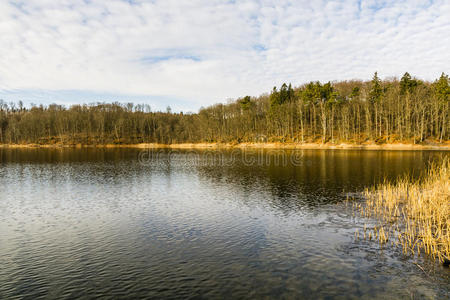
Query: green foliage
{"x": 407, "y": 84}
{"x": 356, "y": 91}
{"x": 376, "y": 90}
{"x": 285, "y": 94}
{"x": 315, "y": 92}
{"x": 328, "y": 95}
{"x": 245, "y": 103}
{"x": 441, "y": 88}
{"x": 408, "y": 109}
{"x": 312, "y": 92}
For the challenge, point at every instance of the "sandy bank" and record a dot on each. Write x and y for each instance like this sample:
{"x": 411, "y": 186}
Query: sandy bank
{"x": 397, "y": 146}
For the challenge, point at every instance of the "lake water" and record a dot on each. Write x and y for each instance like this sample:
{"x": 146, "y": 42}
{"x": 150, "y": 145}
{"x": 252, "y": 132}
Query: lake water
{"x": 201, "y": 224}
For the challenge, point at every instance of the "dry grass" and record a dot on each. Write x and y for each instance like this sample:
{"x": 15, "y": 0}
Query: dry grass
{"x": 414, "y": 215}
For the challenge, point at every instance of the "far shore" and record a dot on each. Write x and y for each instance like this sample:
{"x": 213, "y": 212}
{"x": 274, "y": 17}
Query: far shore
{"x": 306, "y": 146}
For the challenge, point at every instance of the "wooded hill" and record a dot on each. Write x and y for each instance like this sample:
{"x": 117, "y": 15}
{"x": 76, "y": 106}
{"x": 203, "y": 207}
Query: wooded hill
{"x": 383, "y": 111}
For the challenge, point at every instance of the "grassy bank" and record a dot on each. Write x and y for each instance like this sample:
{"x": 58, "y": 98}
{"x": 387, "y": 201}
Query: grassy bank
{"x": 414, "y": 215}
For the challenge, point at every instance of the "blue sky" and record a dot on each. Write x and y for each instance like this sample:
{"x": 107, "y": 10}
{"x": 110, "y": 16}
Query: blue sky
{"x": 189, "y": 54}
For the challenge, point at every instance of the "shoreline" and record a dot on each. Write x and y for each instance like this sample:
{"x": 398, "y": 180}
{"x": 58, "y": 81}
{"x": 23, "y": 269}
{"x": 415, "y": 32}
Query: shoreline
{"x": 305, "y": 146}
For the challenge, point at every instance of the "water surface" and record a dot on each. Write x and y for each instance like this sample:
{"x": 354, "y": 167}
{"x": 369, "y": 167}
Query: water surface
{"x": 122, "y": 223}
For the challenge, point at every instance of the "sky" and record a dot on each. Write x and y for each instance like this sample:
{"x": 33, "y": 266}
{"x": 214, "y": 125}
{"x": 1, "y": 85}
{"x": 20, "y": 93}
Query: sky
{"x": 188, "y": 54}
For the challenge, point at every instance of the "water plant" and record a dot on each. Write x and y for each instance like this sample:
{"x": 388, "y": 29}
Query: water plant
{"x": 413, "y": 214}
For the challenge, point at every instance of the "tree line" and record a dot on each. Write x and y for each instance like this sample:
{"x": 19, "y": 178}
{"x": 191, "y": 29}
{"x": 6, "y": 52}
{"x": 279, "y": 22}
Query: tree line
{"x": 381, "y": 111}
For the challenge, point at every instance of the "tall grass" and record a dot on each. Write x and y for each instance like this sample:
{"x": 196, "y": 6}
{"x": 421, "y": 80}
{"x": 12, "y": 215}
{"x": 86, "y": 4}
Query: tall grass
{"x": 413, "y": 214}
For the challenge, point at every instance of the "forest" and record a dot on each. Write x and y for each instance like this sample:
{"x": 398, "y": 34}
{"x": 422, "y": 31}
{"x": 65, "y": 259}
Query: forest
{"x": 379, "y": 111}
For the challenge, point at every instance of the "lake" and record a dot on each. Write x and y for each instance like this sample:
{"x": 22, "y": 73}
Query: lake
{"x": 135, "y": 223}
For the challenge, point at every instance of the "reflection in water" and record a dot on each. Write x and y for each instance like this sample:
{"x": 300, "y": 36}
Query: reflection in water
{"x": 100, "y": 222}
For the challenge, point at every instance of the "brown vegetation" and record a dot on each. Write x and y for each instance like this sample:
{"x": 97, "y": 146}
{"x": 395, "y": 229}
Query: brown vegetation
{"x": 413, "y": 215}
{"x": 356, "y": 112}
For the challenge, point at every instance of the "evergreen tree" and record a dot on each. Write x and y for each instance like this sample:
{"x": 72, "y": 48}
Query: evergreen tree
{"x": 376, "y": 90}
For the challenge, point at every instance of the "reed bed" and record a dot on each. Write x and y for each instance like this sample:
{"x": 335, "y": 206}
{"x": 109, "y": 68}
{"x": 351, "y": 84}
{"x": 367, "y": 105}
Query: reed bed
{"x": 412, "y": 214}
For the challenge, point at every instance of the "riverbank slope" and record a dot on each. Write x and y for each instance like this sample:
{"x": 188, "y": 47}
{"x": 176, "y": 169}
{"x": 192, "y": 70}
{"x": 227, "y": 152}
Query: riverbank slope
{"x": 366, "y": 146}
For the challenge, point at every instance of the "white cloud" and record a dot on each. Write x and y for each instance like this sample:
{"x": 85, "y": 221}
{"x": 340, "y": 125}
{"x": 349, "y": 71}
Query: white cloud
{"x": 208, "y": 51}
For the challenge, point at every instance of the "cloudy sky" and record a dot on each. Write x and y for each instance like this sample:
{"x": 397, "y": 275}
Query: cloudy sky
{"x": 188, "y": 54}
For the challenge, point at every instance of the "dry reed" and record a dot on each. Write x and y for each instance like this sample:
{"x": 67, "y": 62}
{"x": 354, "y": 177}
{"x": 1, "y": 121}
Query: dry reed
{"x": 414, "y": 215}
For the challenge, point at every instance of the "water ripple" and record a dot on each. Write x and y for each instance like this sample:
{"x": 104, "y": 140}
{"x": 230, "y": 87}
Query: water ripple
{"x": 96, "y": 223}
